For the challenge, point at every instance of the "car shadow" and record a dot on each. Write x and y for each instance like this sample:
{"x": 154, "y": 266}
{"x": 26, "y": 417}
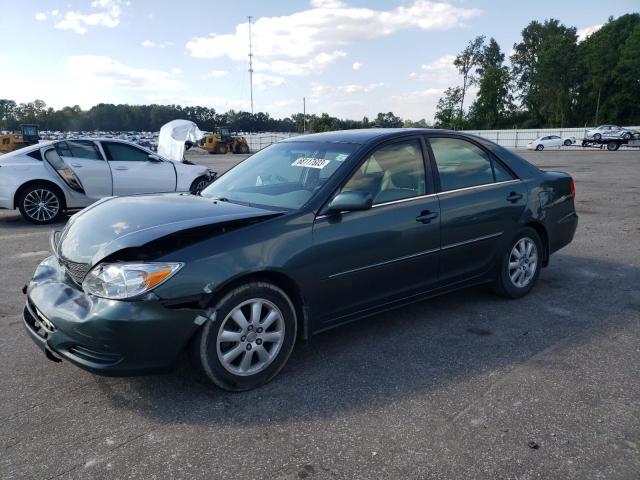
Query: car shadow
{"x": 399, "y": 354}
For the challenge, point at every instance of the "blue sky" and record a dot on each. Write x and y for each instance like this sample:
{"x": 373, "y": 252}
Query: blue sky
{"x": 350, "y": 58}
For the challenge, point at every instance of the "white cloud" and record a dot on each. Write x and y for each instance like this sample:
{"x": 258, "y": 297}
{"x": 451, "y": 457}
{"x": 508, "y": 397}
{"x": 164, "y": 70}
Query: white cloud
{"x": 55, "y": 13}
{"x": 327, "y": 4}
{"x": 221, "y": 104}
{"x": 263, "y": 81}
{"x": 177, "y": 71}
{"x": 104, "y": 72}
{"x": 217, "y": 73}
{"x": 309, "y": 40}
{"x": 107, "y": 15}
{"x": 584, "y": 33}
{"x": 328, "y": 91}
{"x": 439, "y": 73}
{"x": 151, "y": 44}
{"x": 41, "y": 16}
{"x": 356, "y": 65}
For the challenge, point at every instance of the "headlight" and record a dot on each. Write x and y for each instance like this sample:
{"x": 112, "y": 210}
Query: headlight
{"x": 126, "y": 280}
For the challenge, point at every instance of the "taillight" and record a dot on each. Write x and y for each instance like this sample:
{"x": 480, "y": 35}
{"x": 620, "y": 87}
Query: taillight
{"x": 573, "y": 189}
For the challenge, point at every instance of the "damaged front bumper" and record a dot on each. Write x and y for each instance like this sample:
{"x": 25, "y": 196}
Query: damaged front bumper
{"x": 108, "y": 337}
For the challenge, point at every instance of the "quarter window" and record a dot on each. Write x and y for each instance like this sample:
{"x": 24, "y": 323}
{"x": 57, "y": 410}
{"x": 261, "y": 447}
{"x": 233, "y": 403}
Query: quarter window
{"x": 461, "y": 164}
{"x": 121, "y": 152}
{"x": 393, "y": 172}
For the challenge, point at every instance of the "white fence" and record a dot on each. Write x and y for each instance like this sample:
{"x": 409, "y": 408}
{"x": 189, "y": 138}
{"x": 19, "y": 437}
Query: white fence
{"x": 519, "y": 138}
{"x": 513, "y": 138}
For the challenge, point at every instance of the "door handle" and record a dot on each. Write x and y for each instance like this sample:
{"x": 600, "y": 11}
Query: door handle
{"x": 77, "y": 165}
{"x": 513, "y": 197}
{"x": 121, "y": 168}
{"x": 426, "y": 216}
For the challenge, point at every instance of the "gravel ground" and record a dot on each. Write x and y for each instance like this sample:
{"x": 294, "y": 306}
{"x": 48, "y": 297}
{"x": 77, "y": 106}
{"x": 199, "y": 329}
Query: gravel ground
{"x": 467, "y": 385}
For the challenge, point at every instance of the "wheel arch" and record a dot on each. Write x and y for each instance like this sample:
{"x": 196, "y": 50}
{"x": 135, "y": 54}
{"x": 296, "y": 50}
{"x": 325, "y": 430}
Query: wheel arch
{"x": 280, "y": 280}
{"x": 544, "y": 237}
{"x": 29, "y": 183}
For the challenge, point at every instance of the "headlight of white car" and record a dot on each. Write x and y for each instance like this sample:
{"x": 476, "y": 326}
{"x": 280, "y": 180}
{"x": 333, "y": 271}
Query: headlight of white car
{"x": 126, "y": 280}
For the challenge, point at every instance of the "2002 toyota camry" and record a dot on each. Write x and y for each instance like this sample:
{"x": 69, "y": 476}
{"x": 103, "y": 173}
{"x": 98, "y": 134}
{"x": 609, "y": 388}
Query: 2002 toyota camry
{"x": 305, "y": 235}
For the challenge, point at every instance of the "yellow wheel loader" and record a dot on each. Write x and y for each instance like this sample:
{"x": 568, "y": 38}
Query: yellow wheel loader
{"x": 222, "y": 141}
{"x": 13, "y": 141}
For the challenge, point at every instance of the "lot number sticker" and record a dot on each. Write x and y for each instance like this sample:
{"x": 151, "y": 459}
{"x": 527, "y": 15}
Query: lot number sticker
{"x": 319, "y": 163}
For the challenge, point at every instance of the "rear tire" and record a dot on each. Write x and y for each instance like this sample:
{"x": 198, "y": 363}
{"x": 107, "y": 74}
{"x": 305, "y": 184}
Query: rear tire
{"x": 517, "y": 275}
{"x": 627, "y": 136}
{"x": 250, "y": 339}
{"x": 539, "y": 148}
{"x": 242, "y": 148}
{"x": 613, "y": 146}
{"x": 40, "y": 203}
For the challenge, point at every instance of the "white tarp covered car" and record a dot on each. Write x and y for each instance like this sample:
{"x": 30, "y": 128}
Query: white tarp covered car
{"x": 174, "y": 137}
{"x": 46, "y": 179}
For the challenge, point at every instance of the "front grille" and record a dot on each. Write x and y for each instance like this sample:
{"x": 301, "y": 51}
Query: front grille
{"x": 77, "y": 271}
{"x": 38, "y": 322}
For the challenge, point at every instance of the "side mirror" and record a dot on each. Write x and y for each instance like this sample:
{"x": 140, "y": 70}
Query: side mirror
{"x": 154, "y": 158}
{"x": 351, "y": 201}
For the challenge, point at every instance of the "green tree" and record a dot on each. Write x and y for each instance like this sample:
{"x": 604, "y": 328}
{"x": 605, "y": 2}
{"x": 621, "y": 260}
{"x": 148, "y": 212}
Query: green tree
{"x": 447, "y": 113}
{"x": 546, "y": 69}
{"x": 466, "y": 62}
{"x": 494, "y": 101}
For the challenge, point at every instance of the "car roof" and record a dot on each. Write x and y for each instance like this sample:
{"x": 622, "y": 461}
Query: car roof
{"x": 362, "y": 136}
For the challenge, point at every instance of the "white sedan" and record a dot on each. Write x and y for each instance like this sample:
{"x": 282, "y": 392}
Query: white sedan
{"x": 46, "y": 179}
{"x": 546, "y": 141}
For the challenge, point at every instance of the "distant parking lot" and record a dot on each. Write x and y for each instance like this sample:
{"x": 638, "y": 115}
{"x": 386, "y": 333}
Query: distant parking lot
{"x": 467, "y": 385}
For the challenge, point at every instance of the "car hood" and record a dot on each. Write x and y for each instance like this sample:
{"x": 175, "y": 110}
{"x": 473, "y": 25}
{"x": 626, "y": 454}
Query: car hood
{"x": 117, "y": 223}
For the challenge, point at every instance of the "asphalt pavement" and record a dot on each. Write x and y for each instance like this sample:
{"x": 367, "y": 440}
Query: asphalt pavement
{"x": 468, "y": 385}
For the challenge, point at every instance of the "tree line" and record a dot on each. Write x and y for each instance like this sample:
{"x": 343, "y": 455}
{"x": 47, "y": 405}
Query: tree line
{"x": 109, "y": 117}
{"x": 554, "y": 80}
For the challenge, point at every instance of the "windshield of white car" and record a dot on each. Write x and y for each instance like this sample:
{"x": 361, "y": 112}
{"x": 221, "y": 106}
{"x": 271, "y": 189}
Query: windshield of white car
{"x": 284, "y": 175}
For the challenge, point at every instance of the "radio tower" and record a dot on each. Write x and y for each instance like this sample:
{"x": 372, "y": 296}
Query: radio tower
{"x": 250, "y": 65}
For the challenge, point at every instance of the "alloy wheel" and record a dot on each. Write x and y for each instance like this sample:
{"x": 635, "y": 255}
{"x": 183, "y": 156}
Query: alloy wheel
{"x": 250, "y": 337}
{"x": 41, "y": 205}
{"x": 523, "y": 262}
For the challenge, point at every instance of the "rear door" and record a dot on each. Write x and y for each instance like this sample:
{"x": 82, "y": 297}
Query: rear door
{"x": 85, "y": 160}
{"x": 481, "y": 202}
{"x": 367, "y": 258}
{"x": 133, "y": 172}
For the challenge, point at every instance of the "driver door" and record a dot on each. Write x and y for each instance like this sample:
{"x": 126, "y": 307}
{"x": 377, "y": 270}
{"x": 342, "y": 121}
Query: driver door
{"x": 133, "y": 172}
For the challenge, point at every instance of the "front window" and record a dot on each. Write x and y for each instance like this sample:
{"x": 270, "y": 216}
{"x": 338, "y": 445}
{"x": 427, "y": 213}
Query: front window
{"x": 285, "y": 175}
{"x": 121, "y": 152}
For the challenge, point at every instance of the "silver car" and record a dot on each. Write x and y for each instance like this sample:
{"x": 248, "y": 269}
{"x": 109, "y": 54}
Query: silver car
{"x": 608, "y": 132}
{"x": 46, "y": 179}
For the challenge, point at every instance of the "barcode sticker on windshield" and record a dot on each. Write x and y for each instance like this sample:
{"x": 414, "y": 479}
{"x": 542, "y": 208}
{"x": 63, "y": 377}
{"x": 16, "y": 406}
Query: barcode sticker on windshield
{"x": 311, "y": 162}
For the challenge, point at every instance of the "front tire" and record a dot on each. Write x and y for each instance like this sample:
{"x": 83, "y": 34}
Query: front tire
{"x": 520, "y": 265}
{"x": 539, "y": 148}
{"x": 250, "y": 339}
{"x": 198, "y": 185}
{"x": 567, "y": 143}
{"x": 597, "y": 137}
{"x": 627, "y": 136}
{"x": 242, "y": 148}
{"x": 613, "y": 146}
{"x": 40, "y": 204}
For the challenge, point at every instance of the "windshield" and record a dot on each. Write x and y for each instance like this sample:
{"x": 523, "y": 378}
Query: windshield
{"x": 283, "y": 175}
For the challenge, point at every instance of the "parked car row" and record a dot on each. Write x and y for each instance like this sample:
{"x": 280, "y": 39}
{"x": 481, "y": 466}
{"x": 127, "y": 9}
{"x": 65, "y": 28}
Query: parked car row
{"x": 303, "y": 236}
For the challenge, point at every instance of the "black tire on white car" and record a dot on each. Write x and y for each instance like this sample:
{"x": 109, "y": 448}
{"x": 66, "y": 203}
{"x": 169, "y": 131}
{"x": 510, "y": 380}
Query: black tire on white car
{"x": 597, "y": 137}
{"x": 40, "y": 203}
{"x": 539, "y": 147}
{"x": 567, "y": 143}
{"x": 199, "y": 184}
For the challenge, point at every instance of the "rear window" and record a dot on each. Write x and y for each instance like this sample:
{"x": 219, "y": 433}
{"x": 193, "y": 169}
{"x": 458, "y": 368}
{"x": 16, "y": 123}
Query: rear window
{"x": 35, "y": 154}
{"x": 79, "y": 149}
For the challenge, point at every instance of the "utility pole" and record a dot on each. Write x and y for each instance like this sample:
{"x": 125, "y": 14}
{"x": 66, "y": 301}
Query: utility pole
{"x": 304, "y": 115}
{"x": 250, "y": 64}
